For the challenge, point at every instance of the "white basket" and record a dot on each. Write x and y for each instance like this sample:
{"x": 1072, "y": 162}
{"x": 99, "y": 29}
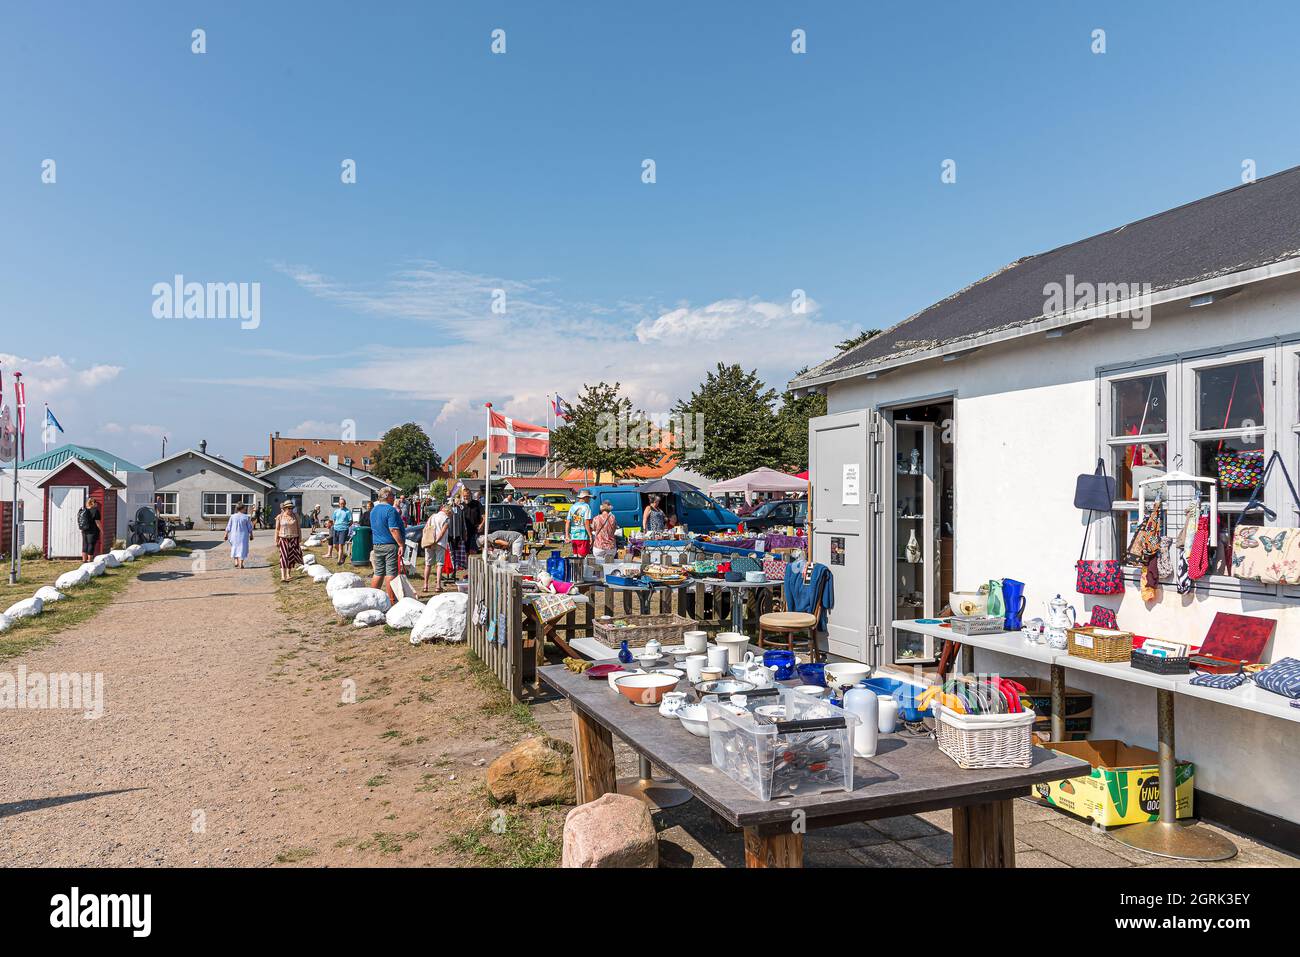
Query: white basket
{"x": 986, "y": 740}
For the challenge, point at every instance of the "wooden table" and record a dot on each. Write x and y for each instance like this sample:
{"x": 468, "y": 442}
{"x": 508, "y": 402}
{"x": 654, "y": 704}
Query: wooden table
{"x": 908, "y": 774}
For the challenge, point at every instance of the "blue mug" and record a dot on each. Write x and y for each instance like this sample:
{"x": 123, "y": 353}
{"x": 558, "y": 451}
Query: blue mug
{"x": 1013, "y": 595}
{"x": 782, "y": 661}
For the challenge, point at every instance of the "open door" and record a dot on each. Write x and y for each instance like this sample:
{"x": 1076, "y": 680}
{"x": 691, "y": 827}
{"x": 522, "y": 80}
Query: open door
{"x": 844, "y": 484}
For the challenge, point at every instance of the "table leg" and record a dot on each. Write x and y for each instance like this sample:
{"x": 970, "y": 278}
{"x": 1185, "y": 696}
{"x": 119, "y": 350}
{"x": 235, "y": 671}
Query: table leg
{"x": 773, "y": 848}
{"x": 984, "y": 835}
{"x": 738, "y": 610}
{"x": 593, "y": 758}
{"x": 1167, "y": 837}
{"x": 656, "y": 793}
{"x": 1058, "y": 702}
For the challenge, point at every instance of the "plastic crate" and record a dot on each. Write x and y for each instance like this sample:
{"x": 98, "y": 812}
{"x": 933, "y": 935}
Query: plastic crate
{"x": 904, "y": 692}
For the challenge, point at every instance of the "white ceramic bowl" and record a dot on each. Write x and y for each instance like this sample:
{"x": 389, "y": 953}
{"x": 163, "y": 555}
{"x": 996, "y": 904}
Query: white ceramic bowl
{"x": 695, "y": 719}
{"x": 812, "y": 691}
{"x": 645, "y": 690}
{"x": 842, "y": 674}
{"x": 613, "y": 676}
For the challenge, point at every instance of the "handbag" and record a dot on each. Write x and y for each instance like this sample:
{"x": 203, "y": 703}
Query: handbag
{"x": 1267, "y": 553}
{"x": 1096, "y": 577}
{"x": 1095, "y": 492}
{"x": 774, "y": 569}
{"x": 556, "y": 567}
{"x": 1103, "y": 617}
{"x": 1239, "y": 469}
{"x": 1281, "y": 677}
{"x": 1224, "y": 682}
{"x": 1146, "y": 538}
{"x": 745, "y": 563}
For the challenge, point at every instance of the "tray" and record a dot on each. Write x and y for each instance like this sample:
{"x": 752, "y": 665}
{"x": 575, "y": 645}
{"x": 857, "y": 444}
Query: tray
{"x": 978, "y": 625}
{"x": 1159, "y": 664}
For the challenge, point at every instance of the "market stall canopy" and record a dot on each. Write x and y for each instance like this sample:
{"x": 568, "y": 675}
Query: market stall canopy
{"x": 760, "y": 480}
{"x": 666, "y": 487}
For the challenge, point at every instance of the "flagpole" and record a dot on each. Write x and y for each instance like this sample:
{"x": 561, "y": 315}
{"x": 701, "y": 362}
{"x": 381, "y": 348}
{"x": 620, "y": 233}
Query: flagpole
{"x": 13, "y": 511}
{"x": 487, "y": 486}
{"x": 45, "y": 430}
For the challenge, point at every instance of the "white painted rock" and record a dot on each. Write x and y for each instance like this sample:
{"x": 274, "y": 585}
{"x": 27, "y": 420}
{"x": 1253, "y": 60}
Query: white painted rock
{"x": 135, "y": 551}
{"x": 341, "y": 580}
{"x": 5, "y": 623}
{"x": 167, "y": 544}
{"x": 110, "y": 559}
{"x": 122, "y": 555}
{"x": 47, "y": 594}
{"x": 95, "y": 568}
{"x": 443, "y": 617}
{"x": 350, "y": 602}
{"x": 73, "y": 579}
{"x": 151, "y": 548}
{"x": 368, "y": 618}
{"x": 27, "y": 608}
{"x": 319, "y": 573}
{"x": 405, "y": 613}
{"x": 308, "y": 558}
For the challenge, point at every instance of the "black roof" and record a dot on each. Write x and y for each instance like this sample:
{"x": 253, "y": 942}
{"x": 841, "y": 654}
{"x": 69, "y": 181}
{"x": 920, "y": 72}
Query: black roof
{"x": 1241, "y": 228}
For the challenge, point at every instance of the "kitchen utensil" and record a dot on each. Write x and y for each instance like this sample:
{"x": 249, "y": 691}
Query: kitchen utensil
{"x": 645, "y": 690}
{"x": 813, "y": 673}
{"x": 696, "y": 641}
{"x": 735, "y": 643}
{"x": 673, "y": 702}
{"x": 783, "y": 661}
{"x": 727, "y": 686}
{"x": 694, "y": 665}
{"x": 1013, "y": 603}
{"x": 613, "y": 677}
{"x": 695, "y": 719}
{"x": 719, "y": 658}
{"x": 967, "y": 604}
{"x": 812, "y": 691}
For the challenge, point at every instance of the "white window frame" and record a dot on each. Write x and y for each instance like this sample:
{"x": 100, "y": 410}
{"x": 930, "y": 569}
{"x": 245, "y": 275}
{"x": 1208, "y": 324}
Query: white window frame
{"x": 170, "y": 504}
{"x": 218, "y": 498}
{"x": 1281, "y": 366}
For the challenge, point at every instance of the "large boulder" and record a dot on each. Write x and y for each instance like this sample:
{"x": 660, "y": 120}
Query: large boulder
{"x": 308, "y": 558}
{"x": 48, "y": 594}
{"x": 5, "y": 623}
{"x": 405, "y": 613}
{"x": 150, "y": 548}
{"x": 135, "y": 551}
{"x": 615, "y": 830}
{"x": 96, "y": 568}
{"x": 27, "y": 608}
{"x": 73, "y": 579}
{"x": 368, "y": 618}
{"x": 123, "y": 555}
{"x": 350, "y": 602}
{"x": 110, "y": 559}
{"x": 167, "y": 544}
{"x": 535, "y": 771}
{"x": 443, "y": 617}
{"x": 341, "y": 580}
{"x": 319, "y": 573}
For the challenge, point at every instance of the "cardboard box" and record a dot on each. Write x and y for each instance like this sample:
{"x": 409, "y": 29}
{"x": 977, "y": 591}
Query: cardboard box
{"x": 1124, "y": 787}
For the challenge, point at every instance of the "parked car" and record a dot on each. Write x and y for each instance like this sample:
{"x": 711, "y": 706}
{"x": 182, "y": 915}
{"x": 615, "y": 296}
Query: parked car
{"x": 558, "y": 501}
{"x": 695, "y": 509}
{"x": 512, "y": 517}
{"x": 777, "y": 513}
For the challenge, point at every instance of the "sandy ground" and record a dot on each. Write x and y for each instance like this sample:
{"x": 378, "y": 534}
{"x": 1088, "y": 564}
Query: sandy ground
{"x": 225, "y": 739}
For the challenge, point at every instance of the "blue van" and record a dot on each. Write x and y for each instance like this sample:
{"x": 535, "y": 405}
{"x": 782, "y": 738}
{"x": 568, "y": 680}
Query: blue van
{"x": 699, "y": 512}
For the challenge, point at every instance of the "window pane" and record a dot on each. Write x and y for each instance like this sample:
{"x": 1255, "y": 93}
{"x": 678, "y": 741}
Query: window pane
{"x": 1237, "y": 463}
{"x": 1140, "y": 406}
{"x": 1131, "y": 464}
{"x": 1230, "y": 397}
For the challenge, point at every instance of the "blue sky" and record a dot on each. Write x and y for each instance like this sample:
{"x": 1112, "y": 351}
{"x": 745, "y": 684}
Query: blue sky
{"x": 522, "y": 172}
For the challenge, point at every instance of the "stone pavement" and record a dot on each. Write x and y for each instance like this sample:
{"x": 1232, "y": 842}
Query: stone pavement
{"x": 692, "y": 836}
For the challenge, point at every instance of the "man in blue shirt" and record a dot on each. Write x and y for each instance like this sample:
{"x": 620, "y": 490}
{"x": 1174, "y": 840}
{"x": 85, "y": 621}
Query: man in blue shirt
{"x": 389, "y": 541}
{"x": 342, "y": 519}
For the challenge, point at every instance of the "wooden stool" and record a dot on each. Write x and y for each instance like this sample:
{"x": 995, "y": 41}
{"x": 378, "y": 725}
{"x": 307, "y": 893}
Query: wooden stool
{"x": 785, "y": 625}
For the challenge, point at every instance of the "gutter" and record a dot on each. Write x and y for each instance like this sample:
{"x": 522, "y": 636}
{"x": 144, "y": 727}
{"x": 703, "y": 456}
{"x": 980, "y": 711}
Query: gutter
{"x": 1284, "y": 267}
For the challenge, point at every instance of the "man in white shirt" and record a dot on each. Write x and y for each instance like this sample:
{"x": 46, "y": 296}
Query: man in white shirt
{"x": 434, "y": 542}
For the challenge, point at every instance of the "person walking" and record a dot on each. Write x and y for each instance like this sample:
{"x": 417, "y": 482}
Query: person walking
{"x": 434, "y": 542}
{"x": 342, "y": 520}
{"x": 604, "y": 534}
{"x": 239, "y": 532}
{"x": 288, "y": 539}
{"x": 577, "y": 525}
{"x": 389, "y": 541}
{"x": 88, "y": 523}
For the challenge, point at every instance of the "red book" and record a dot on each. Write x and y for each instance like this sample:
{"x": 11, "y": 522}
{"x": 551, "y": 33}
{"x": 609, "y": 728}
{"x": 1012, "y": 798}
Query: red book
{"x": 1238, "y": 637}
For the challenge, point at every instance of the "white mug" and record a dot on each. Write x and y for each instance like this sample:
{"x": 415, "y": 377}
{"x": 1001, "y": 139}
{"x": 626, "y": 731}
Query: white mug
{"x": 694, "y": 665}
{"x": 673, "y": 701}
{"x": 719, "y": 658}
{"x": 696, "y": 641}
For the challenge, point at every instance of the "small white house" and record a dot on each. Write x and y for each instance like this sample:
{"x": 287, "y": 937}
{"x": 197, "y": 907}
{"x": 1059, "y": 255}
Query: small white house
{"x": 953, "y": 440}
{"x": 191, "y": 484}
{"x": 136, "y": 489}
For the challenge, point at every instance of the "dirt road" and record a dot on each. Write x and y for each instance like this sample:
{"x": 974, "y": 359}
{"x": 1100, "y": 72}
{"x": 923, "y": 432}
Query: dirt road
{"x": 226, "y": 739}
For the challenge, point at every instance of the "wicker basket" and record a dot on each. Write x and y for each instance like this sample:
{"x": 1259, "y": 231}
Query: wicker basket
{"x": 666, "y": 629}
{"x": 986, "y": 740}
{"x": 1084, "y": 642}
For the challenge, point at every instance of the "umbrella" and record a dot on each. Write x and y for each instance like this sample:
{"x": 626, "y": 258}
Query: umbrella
{"x": 666, "y": 487}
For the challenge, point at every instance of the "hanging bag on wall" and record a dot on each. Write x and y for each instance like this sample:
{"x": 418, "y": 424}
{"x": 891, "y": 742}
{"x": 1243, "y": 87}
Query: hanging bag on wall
{"x": 1095, "y": 492}
{"x": 1096, "y": 577}
{"x": 1267, "y": 553}
{"x": 1145, "y": 543}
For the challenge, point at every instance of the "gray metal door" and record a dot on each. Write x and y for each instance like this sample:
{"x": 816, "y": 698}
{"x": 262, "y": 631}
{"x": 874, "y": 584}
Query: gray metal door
{"x": 844, "y": 461}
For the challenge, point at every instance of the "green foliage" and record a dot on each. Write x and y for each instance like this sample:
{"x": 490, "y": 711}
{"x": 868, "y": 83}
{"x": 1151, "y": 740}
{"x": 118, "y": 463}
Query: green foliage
{"x": 408, "y": 482}
{"x": 740, "y": 429}
{"x": 587, "y": 440}
{"x": 792, "y": 425}
{"x": 857, "y": 340}
{"x": 405, "y": 449}
{"x": 438, "y": 490}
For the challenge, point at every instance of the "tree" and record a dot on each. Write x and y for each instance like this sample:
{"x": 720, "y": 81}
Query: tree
{"x": 404, "y": 449}
{"x": 603, "y": 433}
{"x": 408, "y": 482}
{"x": 792, "y": 425}
{"x": 857, "y": 340}
{"x": 438, "y": 490}
{"x": 739, "y": 428}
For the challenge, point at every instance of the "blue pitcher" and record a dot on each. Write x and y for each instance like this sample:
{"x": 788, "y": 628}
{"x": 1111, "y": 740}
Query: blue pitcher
{"x": 1013, "y": 598}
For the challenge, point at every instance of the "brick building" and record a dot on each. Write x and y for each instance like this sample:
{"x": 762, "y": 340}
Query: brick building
{"x": 340, "y": 453}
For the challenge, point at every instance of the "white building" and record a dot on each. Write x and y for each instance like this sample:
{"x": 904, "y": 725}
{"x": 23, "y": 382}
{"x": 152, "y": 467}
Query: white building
{"x": 1011, "y": 388}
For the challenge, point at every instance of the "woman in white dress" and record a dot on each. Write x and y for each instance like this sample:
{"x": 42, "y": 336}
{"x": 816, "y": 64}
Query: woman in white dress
{"x": 239, "y": 532}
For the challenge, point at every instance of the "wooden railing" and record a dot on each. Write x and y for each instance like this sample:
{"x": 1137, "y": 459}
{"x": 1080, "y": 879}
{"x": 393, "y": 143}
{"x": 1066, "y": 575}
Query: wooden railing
{"x": 500, "y": 591}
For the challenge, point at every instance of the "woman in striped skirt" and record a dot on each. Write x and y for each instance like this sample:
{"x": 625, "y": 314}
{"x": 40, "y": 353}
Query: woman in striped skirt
{"x": 288, "y": 538}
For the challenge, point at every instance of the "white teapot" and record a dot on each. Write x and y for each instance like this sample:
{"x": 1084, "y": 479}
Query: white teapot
{"x": 1060, "y": 616}
{"x": 753, "y": 670}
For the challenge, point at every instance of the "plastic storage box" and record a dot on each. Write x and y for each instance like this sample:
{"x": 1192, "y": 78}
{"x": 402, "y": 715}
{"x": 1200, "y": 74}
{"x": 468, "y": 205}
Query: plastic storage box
{"x": 904, "y": 692}
{"x": 808, "y": 753}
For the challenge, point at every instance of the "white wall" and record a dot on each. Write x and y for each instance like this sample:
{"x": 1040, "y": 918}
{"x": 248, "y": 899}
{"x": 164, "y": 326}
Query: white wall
{"x": 1026, "y": 426}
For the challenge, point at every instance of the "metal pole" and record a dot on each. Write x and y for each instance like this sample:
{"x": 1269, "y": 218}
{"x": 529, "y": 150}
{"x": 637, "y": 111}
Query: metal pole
{"x": 1058, "y": 704}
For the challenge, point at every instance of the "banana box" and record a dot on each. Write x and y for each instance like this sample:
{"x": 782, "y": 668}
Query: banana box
{"x": 1123, "y": 788}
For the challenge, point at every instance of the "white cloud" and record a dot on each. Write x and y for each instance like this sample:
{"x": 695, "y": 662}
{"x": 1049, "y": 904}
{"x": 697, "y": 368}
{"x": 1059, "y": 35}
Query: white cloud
{"x": 49, "y": 377}
{"x": 722, "y": 319}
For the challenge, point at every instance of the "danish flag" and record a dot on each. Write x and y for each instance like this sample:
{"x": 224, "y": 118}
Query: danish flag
{"x": 517, "y": 438}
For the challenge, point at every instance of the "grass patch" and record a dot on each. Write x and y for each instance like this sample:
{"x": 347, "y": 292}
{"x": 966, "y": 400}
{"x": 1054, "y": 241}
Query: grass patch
{"x": 387, "y": 842}
{"x": 377, "y": 781}
{"x": 511, "y": 840}
{"x": 499, "y": 703}
{"x": 81, "y": 605}
{"x": 294, "y": 854}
